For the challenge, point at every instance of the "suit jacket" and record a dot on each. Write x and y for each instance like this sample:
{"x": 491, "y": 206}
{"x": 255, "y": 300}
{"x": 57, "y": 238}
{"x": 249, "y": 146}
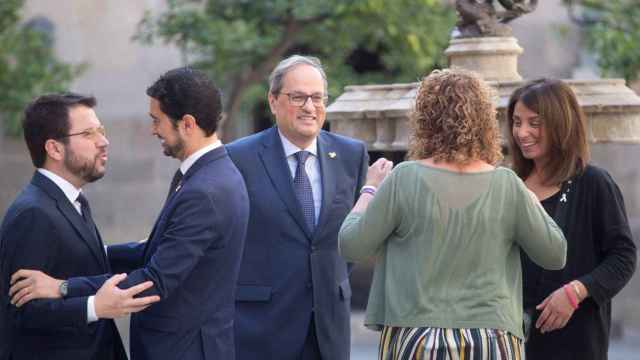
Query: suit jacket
{"x": 193, "y": 258}
{"x": 42, "y": 230}
{"x": 288, "y": 273}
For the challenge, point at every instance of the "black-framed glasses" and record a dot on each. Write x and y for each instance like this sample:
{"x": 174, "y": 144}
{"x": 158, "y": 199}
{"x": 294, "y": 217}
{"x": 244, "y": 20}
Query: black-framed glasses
{"x": 299, "y": 99}
{"x": 89, "y": 133}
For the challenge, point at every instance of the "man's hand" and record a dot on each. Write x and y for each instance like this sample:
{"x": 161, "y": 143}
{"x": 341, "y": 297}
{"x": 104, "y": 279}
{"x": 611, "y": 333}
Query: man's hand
{"x": 27, "y": 285}
{"x": 556, "y": 312}
{"x": 112, "y": 302}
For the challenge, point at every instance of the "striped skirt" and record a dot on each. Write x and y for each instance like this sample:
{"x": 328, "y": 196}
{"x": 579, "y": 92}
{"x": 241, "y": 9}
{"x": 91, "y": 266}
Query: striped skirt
{"x": 401, "y": 343}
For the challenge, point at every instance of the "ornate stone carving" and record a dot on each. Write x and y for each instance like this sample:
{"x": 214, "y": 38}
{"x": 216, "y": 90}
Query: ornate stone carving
{"x": 479, "y": 18}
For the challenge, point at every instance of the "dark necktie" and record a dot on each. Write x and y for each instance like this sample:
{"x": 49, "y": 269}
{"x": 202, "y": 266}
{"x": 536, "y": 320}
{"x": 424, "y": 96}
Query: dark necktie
{"x": 86, "y": 214}
{"x": 302, "y": 189}
{"x": 177, "y": 177}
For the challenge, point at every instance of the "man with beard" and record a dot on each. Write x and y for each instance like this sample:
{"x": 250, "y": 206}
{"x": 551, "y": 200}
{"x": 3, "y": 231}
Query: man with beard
{"x": 193, "y": 253}
{"x": 49, "y": 227}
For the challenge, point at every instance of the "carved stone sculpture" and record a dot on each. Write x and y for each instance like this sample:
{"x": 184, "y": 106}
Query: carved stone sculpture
{"x": 479, "y": 18}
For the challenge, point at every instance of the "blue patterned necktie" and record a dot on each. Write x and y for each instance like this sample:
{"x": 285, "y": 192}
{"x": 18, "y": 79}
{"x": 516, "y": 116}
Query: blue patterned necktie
{"x": 302, "y": 188}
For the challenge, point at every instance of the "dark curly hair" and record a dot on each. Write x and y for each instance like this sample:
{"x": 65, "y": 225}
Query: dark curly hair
{"x": 454, "y": 119}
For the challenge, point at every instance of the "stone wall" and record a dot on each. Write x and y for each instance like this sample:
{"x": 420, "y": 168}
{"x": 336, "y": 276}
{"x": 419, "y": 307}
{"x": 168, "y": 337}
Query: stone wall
{"x": 550, "y": 41}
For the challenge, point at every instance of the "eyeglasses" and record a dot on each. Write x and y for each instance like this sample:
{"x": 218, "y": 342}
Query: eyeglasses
{"x": 298, "y": 99}
{"x": 90, "y": 133}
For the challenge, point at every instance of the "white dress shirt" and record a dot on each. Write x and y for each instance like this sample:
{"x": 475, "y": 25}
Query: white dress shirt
{"x": 191, "y": 159}
{"x": 72, "y": 193}
{"x": 67, "y": 188}
{"x": 312, "y": 166}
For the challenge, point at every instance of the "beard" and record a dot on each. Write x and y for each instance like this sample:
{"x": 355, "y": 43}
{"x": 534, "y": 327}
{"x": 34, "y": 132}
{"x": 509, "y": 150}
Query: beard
{"x": 84, "y": 168}
{"x": 174, "y": 150}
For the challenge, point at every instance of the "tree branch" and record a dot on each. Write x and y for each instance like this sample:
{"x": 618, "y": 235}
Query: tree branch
{"x": 255, "y": 75}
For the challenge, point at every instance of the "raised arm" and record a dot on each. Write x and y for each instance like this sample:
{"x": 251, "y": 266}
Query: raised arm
{"x": 536, "y": 232}
{"x": 372, "y": 218}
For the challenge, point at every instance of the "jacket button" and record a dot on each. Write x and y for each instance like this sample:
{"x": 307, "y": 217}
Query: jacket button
{"x": 313, "y": 248}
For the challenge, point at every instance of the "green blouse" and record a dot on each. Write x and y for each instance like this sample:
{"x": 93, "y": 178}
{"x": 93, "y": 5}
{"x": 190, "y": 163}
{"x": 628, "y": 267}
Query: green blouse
{"x": 447, "y": 247}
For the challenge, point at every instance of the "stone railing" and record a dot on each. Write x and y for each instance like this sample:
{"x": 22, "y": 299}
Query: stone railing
{"x": 378, "y": 114}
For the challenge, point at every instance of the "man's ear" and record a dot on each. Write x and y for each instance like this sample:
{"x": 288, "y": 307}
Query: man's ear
{"x": 55, "y": 149}
{"x": 189, "y": 122}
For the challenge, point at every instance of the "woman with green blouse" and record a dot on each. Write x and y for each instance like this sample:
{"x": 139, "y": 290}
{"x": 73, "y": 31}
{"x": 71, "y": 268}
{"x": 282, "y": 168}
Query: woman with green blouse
{"x": 446, "y": 230}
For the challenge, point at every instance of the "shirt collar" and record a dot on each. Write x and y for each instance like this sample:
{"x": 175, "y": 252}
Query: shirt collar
{"x": 70, "y": 191}
{"x": 290, "y": 148}
{"x": 189, "y": 161}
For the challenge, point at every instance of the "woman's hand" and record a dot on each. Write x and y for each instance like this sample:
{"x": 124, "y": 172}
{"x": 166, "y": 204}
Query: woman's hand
{"x": 556, "y": 311}
{"x": 378, "y": 171}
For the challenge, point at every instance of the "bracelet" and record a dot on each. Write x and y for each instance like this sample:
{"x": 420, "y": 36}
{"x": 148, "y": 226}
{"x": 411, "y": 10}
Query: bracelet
{"x": 576, "y": 288}
{"x": 368, "y": 189}
{"x": 571, "y": 296}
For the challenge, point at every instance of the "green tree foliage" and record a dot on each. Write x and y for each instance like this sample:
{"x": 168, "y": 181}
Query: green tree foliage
{"x": 28, "y": 66}
{"x": 238, "y": 42}
{"x": 612, "y": 33}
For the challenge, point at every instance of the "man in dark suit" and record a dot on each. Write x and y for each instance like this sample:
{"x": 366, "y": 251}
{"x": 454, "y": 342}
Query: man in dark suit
{"x": 293, "y": 298}
{"x": 49, "y": 228}
{"x": 193, "y": 253}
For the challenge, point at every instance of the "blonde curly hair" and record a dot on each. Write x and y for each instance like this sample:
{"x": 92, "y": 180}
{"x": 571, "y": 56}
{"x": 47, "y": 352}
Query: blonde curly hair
{"x": 454, "y": 119}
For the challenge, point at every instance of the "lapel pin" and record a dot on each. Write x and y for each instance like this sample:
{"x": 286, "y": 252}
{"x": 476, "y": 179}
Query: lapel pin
{"x": 332, "y": 155}
{"x": 563, "y": 198}
{"x": 178, "y": 187}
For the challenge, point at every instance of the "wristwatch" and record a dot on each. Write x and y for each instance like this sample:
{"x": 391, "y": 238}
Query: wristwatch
{"x": 64, "y": 288}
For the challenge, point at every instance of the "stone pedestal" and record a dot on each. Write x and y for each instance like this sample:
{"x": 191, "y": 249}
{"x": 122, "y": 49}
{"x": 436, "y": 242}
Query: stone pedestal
{"x": 496, "y": 58}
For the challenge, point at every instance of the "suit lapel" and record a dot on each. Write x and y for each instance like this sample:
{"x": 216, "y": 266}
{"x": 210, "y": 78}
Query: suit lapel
{"x": 212, "y": 155}
{"x": 72, "y": 215}
{"x": 276, "y": 167}
{"x": 328, "y": 168}
{"x": 152, "y": 236}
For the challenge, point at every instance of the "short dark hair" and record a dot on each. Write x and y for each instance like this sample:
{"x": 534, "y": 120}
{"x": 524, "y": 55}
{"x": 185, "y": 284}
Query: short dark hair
{"x": 565, "y": 127}
{"x": 47, "y": 117}
{"x": 189, "y": 91}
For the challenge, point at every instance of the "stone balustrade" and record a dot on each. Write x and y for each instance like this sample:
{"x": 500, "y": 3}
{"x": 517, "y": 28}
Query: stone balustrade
{"x": 378, "y": 114}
